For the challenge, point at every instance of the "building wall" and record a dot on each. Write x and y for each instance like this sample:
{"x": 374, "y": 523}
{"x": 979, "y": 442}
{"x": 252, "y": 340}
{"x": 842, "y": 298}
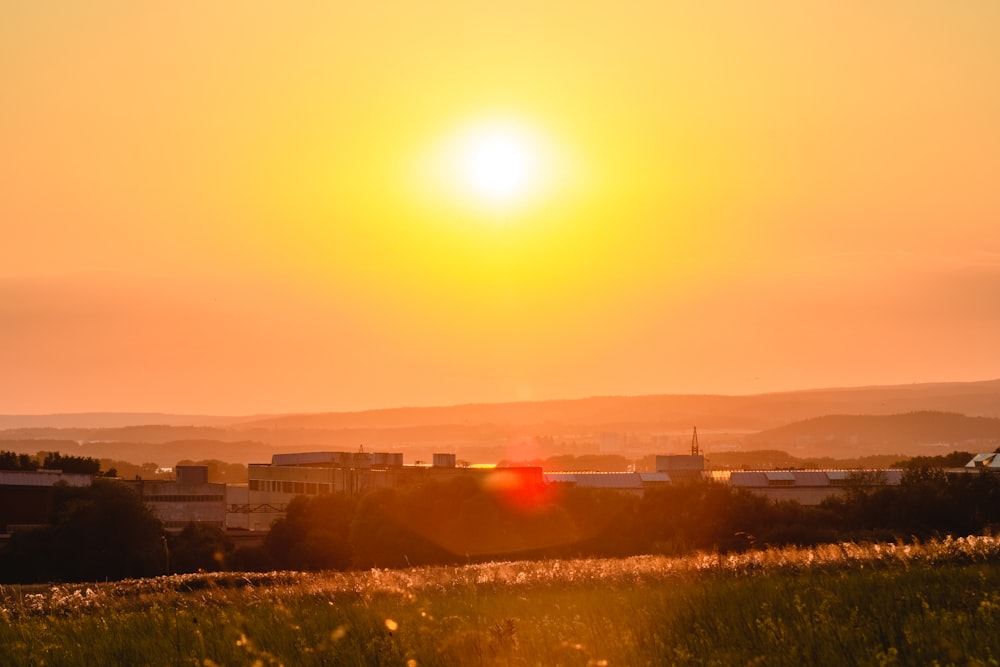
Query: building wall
{"x": 26, "y": 495}
{"x": 681, "y": 467}
{"x": 176, "y": 504}
{"x": 807, "y": 487}
{"x": 237, "y": 507}
{"x": 635, "y": 483}
{"x": 43, "y": 478}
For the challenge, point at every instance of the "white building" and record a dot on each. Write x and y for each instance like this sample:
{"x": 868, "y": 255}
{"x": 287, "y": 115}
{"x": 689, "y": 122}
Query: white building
{"x": 189, "y": 498}
{"x": 629, "y": 482}
{"x": 807, "y": 487}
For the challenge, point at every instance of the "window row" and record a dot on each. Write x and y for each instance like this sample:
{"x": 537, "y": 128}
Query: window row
{"x": 297, "y": 488}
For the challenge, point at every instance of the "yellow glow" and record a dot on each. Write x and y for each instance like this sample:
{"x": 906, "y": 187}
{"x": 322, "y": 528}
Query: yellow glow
{"x": 498, "y": 201}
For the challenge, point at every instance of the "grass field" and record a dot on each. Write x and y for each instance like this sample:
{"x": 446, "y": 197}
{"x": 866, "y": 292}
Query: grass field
{"x": 847, "y": 604}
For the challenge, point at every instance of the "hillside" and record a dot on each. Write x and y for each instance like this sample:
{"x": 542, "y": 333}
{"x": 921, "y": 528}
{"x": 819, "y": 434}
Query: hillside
{"x": 100, "y": 420}
{"x": 672, "y": 412}
{"x": 797, "y": 421}
{"x": 903, "y": 433}
{"x": 669, "y": 411}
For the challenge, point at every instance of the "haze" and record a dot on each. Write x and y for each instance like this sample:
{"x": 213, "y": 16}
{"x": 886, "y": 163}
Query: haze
{"x": 233, "y": 208}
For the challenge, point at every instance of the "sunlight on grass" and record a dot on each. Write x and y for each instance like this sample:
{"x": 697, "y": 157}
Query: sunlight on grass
{"x": 846, "y": 603}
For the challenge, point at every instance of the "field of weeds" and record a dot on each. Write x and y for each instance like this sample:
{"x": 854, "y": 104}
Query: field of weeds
{"x": 844, "y": 604}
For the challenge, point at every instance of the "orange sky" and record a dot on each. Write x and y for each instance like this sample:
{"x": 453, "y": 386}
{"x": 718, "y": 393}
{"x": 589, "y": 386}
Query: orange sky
{"x": 239, "y": 207}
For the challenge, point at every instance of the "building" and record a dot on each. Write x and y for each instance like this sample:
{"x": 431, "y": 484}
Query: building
{"x": 635, "y": 483}
{"x": 270, "y": 487}
{"x": 237, "y": 507}
{"x": 681, "y": 467}
{"x": 807, "y": 487}
{"x": 188, "y": 498}
{"x": 26, "y": 496}
{"x": 985, "y": 462}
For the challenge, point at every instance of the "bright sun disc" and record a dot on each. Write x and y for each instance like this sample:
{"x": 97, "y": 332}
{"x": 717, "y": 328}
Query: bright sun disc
{"x": 497, "y": 165}
{"x": 494, "y": 169}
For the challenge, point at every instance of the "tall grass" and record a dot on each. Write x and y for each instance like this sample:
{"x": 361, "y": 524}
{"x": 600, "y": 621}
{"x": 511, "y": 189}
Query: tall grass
{"x": 844, "y": 604}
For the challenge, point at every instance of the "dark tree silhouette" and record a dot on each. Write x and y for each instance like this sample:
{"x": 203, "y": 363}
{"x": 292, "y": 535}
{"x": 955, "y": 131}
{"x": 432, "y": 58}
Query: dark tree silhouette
{"x": 99, "y": 532}
{"x": 15, "y": 461}
{"x": 106, "y": 532}
{"x": 199, "y": 547}
{"x": 72, "y": 464}
{"x": 314, "y": 534}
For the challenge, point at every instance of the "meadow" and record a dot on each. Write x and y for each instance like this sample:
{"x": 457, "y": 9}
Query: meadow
{"x": 933, "y": 603}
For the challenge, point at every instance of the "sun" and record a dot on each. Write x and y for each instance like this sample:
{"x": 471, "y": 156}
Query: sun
{"x": 499, "y": 168}
{"x": 498, "y": 164}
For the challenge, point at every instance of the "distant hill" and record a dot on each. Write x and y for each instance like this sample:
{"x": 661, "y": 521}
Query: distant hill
{"x": 163, "y": 454}
{"x": 666, "y": 412}
{"x": 882, "y": 433}
{"x": 487, "y": 432}
{"x": 113, "y": 420}
{"x": 671, "y": 412}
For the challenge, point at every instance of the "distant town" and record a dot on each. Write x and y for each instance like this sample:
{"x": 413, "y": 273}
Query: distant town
{"x": 567, "y": 478}
{"x": 188, "y": 496}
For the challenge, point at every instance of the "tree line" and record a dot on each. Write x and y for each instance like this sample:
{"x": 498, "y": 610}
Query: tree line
{"x": 105, "y": 531}
{"x": 83, "y": 465}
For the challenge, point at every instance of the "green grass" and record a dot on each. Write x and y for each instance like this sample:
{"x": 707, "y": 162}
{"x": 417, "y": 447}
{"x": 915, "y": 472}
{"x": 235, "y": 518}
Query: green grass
{"x": 936, "y": 603}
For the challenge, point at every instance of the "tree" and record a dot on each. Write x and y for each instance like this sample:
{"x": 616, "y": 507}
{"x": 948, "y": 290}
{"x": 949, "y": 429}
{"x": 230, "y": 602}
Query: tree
{"x": 99, "y": 532}
{"x": 15, "y": 461}
{"x": 71, "y": 464}
{"x": 955, "y": 459}
{"x": 199, "y": 547}
{"x": 251, "y": 559}
{"x": 314, "y": 534}
{"x": 603, "y": 522}
{"x": 109, "y": 531}
{"x": 389, "y": 530}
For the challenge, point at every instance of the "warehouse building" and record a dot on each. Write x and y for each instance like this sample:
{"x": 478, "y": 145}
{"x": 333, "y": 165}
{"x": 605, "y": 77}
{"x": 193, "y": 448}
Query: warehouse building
{"x": 807, "y": 487}
{"x": 26, "y": 496}
{"x": 270, "y": 487}
{"x": 989, "y": 462}
{"x": 635, "y": 483}
{"x": 188, "y": 498}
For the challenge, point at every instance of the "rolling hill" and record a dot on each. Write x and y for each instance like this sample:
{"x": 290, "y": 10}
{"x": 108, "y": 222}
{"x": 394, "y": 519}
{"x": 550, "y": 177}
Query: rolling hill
{"x": 819, "y": 422}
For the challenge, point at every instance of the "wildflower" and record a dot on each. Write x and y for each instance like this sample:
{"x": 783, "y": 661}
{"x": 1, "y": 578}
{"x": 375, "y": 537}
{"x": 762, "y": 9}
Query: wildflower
{"x": 391, "y": 625}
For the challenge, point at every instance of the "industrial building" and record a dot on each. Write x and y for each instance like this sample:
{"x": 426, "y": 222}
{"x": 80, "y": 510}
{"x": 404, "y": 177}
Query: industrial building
{"x": 807, "y": 487}
{"x": 188, "y": 498}
{"x": 26, "y": 496}
{"x": 682, "y": 467}
{"x": 989, "y": 462}
{"x": 635, "y": 483}
{"x": 270, "y": 487}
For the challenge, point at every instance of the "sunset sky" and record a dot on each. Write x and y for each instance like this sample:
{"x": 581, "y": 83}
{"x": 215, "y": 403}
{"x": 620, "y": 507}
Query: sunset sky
{"x": 241, "y": 207}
